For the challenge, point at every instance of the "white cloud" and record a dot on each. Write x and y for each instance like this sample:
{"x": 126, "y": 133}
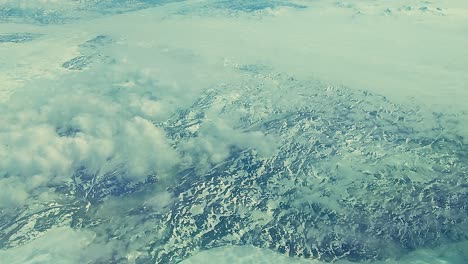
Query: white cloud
{"x": 99, "y": 126}
{"x": 159, "y": 201}
{"x": 215, "y": 138}
{"x": 105, "y": 119}
{"x": 14, "y": 192}
{"x": 146, "y": 148}
{"x": 62, "y": 245}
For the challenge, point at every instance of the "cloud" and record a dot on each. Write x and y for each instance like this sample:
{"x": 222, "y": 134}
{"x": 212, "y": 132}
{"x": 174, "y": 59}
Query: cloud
{"x": 217, "y": 136}
{"x": 14, "y": 192}
{"x": 159, "y": 201}
{"x": 108, "y": 119}
{"x": 52, "y": 128}
{"x": 61, "y": 245}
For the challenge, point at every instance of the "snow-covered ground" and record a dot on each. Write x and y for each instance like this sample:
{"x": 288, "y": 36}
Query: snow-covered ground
{"x": 71, "y": 96}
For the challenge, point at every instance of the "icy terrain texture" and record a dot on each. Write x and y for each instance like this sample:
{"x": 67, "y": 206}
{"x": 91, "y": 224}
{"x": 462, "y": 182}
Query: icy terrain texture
{"x": 233, "y": 131}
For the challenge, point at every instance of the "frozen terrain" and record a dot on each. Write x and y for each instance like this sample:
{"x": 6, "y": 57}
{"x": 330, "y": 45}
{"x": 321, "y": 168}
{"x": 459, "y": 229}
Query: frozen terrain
{"x": 139, "y": 131}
